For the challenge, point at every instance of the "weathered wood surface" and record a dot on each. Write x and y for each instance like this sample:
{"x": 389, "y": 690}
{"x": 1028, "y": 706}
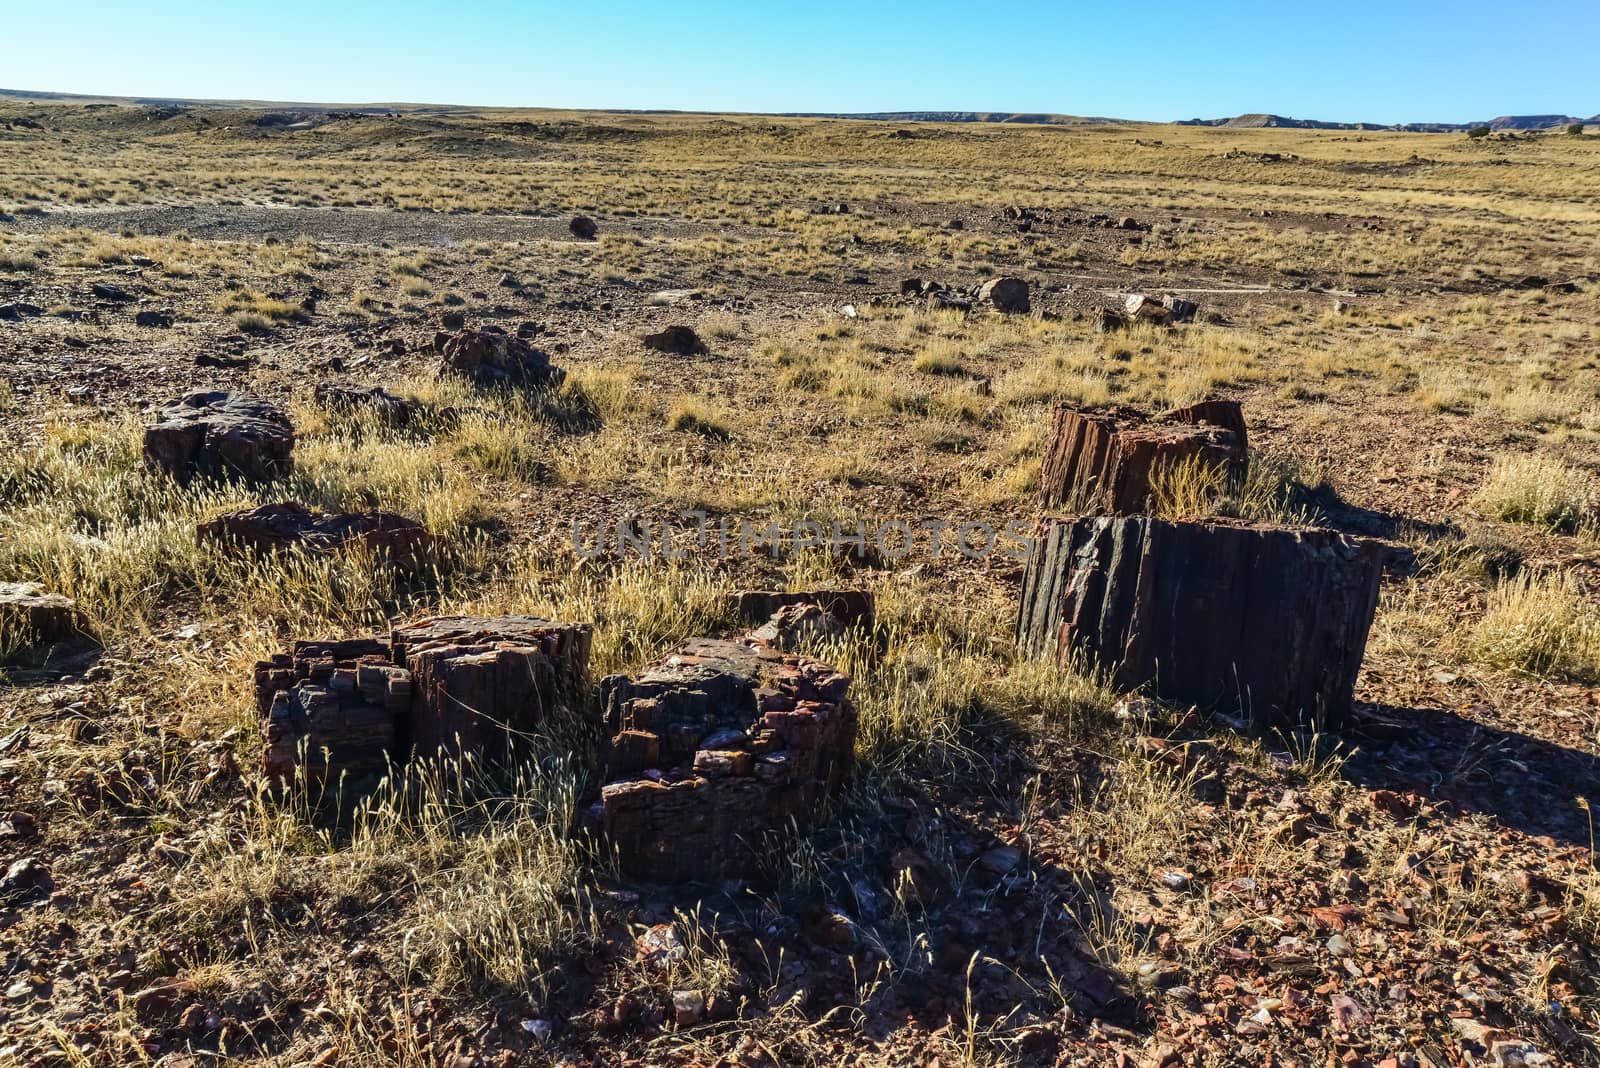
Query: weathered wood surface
{"x": 480, "y": 684}
{"x": 1268, "y": 621}
{"x": 1106, "y": 462}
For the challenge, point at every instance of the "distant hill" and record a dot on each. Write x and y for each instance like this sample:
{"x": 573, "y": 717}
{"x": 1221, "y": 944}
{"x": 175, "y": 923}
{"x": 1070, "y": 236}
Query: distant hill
{"x": 1253, "y": 121}
{"x": 1026, "y": 117}
{"x": 1504, "y": 122}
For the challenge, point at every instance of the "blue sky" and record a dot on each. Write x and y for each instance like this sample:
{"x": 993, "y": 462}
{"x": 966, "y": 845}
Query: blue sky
{"x": 1358, "y": 60}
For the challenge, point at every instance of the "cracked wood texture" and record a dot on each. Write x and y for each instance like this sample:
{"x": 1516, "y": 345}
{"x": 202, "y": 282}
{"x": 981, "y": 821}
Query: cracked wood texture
{"x": 1105, "y": 462}
{"x": 1267, "y": 621}
{"x": 483, "y": 684}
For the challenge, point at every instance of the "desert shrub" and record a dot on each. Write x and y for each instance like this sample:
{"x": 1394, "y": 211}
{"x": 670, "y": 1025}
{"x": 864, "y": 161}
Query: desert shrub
{"x": 1539, "y": 490}
{"x": 693, "y": 417}
{"x": 940, "y": 357}
{"x": 1540, "y": 624}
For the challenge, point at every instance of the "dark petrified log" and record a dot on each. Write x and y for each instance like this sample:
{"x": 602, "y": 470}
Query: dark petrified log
{"x": 220, "y": 435}
{"x": 330, "y": 710}
{"x": 1265, "y": 620}
{"x": 288, "y": 524}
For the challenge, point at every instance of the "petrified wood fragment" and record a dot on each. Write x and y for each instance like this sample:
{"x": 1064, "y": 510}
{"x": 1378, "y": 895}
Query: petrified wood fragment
{"x": 491, "y": 357}
{"x": 1107, "y": 461}
{"x": 445, "y": 684}
{"x": 391, "y": 409}
{"x": 480, "y": 684}
{"x": 220, "y": 435}
{"x": 330, "y": 710}
{"x": 1265, "y": 620}
{"x": 717, "y": 751}
{"x": 852, "y": 608}
{"x": 277, "y": 527}
{"x": 29, "y": 615}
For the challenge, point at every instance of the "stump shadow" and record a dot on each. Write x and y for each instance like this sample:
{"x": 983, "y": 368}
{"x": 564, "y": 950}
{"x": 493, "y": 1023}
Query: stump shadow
{"x": 1529, "y": 784}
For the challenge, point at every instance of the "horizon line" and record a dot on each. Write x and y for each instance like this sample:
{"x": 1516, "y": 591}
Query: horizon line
{"x": 44, "y": 97}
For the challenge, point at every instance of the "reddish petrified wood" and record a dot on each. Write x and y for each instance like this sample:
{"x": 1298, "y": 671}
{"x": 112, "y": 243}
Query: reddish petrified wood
{"x": 716, "y": 753}
{"x": 1106, "y": 461}
{"x": 1266, "y": 620}
{"x": 277, "y": 527}
{"x": 330, "y": 710}
{"x": 1227, "y": 414}
{"x": 481, "y": 684}
{"x": 446, "y": 684}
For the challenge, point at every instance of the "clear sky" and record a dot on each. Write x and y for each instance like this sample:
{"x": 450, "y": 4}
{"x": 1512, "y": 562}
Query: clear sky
{"x": 1393, "y": 61}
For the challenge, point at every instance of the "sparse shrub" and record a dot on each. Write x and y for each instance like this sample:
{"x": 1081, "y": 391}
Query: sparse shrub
{"x": 1540, "y": 624}
{"x": 17, "y": 260}
{"x": 1477, "y": 133}
{"x": 1540, "y": 490}
{"x": 722, "y": 325}
{"x": 940, "y": 357}
{"x": 252, "y": 310}
{"x": 691, "y": 417}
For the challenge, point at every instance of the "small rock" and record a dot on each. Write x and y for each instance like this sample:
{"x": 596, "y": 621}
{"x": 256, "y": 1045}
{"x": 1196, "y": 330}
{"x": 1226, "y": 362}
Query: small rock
{"x": 26, "y": 879}
{"x": 107, "y": 291}
{"x": 583, "y": 227}
{"x": 19, "y": 825}
{"x": 688, "y": 1007}
{"x": 660, "y": 947}
{"x": 677, "y": 341}
{"x": 1139, "y": 306}
{"x": 1000, "y": 860}
{"x": 153, "y": 319}
{"x": 1006, "y": 294}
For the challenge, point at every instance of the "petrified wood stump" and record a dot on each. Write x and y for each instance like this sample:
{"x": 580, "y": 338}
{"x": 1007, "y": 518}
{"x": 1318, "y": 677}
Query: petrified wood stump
{"x": 29, "y": 615}
{"x": 288, "y": 524}
{"x": 716, "y": 751}
{"x": 220, "y": 435}
{"x": 1269, "y": 621}
{"x": 1106, "y": 462}
{"x": 330, "y": 710}
{"x": 449, "y": 683}
{"x": 481, "y": 684}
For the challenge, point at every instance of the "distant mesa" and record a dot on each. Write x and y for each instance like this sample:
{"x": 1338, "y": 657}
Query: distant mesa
{"x": 1259, "y": 121}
